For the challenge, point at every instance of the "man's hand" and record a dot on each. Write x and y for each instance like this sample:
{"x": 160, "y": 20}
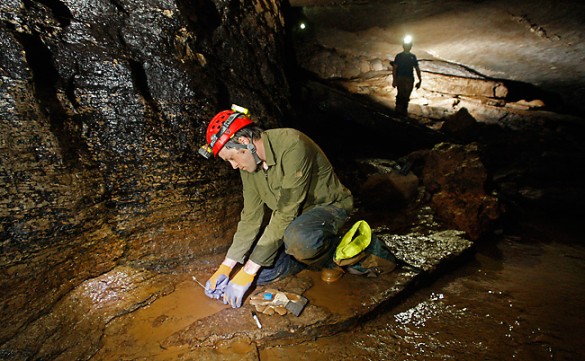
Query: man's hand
{"x": 215, "y": 286}
{"x": 237, "y": 288}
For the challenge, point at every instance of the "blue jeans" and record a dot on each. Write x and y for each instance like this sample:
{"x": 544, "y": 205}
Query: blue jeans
{"x": 309, "y": 241}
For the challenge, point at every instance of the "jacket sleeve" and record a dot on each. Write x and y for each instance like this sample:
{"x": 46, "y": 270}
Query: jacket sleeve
{"x": 249, "y": 224}
{"x": 297, "y": 163}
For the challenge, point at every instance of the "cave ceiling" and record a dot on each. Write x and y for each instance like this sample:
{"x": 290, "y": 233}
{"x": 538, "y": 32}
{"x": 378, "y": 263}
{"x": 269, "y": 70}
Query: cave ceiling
{"x": 536, "y": 42}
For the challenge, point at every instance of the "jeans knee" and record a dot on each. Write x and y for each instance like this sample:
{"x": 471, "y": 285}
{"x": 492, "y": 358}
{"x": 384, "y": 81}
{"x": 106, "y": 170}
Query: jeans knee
{"x": 309, "y": 235}
{"x": 303, "y": 245}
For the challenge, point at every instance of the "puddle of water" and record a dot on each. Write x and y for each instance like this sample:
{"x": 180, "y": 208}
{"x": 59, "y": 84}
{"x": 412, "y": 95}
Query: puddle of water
{"x": 139, "y": 334}
{"x": 521, "y": 299}
{"x": 339, "y": 297}
{"x": 238, "y": 347}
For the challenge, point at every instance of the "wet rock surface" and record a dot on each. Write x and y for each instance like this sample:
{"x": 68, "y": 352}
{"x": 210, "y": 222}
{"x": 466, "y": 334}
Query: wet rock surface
{"x": 74, "y": 327}
{"x": 219, "y": 329}
{"x": 332, "y": 307}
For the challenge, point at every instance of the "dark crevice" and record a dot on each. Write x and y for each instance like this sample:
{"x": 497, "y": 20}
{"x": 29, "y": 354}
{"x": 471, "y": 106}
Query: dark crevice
{"x": 223, "y": 95}
{"x": 46, "y": 81}
{"x": 524, "y": 91}
{"x": 140, "y": 80}
{"x": 70, "y": 91}
{"x": 10, "y": 26}
{"x": 203, "y": 19}
{"x": 119, "y": 6}
{"x": 60, "y": 11}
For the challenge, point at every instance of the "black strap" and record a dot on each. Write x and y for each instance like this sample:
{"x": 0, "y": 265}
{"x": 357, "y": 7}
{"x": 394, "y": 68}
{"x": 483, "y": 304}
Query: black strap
{"x": 225, "y": 126}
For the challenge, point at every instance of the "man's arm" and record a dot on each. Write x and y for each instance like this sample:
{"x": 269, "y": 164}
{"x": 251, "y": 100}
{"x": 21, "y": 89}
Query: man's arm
{"x": 229, "y": 262}
{"x": 417, "y": 68}
{"x": 250, "y": 221}
{"x": 249, "y": 224}
{"x": 251, "y": 267}
{"x": 394, "y": 66}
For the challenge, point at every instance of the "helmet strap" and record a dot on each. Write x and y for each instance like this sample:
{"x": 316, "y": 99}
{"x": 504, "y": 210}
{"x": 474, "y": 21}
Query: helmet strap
{"x": 250, "y": 146}
{"x": 252, "y": 149}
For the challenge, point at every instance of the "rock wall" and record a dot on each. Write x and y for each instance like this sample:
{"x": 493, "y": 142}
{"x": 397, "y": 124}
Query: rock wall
{"x": 103, "y": 105}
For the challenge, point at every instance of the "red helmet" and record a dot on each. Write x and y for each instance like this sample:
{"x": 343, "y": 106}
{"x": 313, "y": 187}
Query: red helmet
{"x": 222, "y": 128}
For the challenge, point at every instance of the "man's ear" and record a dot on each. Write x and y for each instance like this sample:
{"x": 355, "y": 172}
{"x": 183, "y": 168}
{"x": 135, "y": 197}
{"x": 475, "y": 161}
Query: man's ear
{"x": 243, "y": 140}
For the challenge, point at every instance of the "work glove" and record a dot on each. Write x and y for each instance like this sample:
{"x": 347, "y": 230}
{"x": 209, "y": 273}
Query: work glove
{"x": 215, "y": 286}
{"x": 237, "y": 287}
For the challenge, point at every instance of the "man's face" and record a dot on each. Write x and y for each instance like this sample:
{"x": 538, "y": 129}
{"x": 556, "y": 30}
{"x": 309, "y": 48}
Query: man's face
{"x": 239, "y": 159}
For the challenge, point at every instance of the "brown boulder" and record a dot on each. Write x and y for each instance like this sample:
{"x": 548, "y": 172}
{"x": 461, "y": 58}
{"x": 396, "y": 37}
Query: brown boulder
{"x": 456, "y": 179}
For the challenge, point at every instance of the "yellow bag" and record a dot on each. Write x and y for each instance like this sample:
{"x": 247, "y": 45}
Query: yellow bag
{"x": 354, "y": 242}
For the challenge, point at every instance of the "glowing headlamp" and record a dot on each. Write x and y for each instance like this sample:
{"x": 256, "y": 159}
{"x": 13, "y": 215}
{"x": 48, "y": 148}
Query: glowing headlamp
{"x": 407, "y": 39}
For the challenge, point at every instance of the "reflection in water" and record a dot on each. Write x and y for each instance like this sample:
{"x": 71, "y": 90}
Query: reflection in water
{"x": 521, "y": 299}
{"x": 339, "y": 297}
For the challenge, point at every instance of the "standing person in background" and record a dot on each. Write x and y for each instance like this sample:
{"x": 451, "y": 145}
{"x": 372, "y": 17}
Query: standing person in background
{"x": 402, "y": 75}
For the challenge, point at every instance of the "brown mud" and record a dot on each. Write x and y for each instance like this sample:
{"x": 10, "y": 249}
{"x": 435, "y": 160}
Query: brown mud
{"x": 518, "y": 298}
{"x": 140, "y": 333}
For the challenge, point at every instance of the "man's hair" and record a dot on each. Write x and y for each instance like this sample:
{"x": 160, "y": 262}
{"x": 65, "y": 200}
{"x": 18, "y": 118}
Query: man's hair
{"x": 251, "y": 131}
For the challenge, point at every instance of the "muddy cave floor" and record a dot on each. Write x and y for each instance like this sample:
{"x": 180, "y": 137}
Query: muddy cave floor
{"x": 517, "y": 296}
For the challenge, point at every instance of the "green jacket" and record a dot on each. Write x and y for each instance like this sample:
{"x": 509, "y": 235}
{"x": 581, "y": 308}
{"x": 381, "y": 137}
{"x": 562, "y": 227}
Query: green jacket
{"x": 299, "y": 177}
